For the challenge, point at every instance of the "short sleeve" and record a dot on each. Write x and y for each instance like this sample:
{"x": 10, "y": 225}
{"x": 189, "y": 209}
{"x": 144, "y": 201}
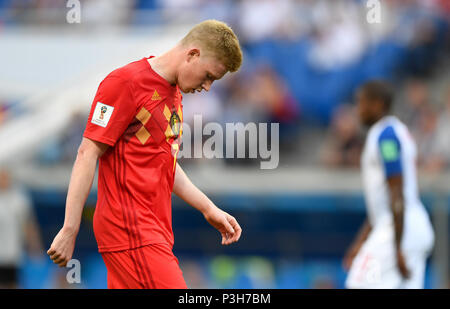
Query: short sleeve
{"x": 112, "y": 111}
{"x": 390, "y": 152}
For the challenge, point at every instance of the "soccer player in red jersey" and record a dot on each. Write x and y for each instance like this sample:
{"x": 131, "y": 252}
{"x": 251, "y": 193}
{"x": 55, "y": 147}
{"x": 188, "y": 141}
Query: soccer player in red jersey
{"x": 134, "y": 130}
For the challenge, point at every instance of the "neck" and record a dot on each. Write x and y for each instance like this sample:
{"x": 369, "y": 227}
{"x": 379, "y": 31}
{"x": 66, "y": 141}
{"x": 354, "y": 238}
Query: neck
{"x": 378, "y": 118}
{"x": 166, "y": 65}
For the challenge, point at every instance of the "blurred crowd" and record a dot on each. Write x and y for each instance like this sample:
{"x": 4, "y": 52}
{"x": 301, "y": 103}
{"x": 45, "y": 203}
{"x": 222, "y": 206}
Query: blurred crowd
{"x": 304, "y": 59}
{"x": 19, "y": 231}
{"x": 7, "y": 110}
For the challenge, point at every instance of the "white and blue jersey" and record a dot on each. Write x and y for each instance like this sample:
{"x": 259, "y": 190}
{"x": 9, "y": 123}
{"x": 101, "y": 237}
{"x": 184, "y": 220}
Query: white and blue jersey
{"x": 390, "y": 150}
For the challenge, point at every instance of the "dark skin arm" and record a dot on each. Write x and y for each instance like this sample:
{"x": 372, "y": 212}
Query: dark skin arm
{"x": 356, "y": 245}
{"x": 395, "y": 184}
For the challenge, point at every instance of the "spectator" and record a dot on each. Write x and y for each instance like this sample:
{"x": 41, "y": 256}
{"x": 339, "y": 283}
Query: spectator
{"x": 439, "y": 158}
{"x": 425, "y": 135}
{"x": 416, "y": 104}
{"x": 342, "y": 147}
{"x": 420, "y": 116}
{"x": 17, "y": 229}
{"x": 272, "y": 96}
{"x": 262, "y": 19}
{"x": 339, "y": 39}
{"x": 2, "y": 114}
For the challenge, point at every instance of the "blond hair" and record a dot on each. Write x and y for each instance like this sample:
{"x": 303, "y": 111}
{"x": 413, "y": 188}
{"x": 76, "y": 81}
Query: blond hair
{"x": 218, "y": 38}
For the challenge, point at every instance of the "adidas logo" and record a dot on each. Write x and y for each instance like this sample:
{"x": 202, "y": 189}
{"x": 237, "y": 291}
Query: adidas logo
{"x": 156, "y": 96}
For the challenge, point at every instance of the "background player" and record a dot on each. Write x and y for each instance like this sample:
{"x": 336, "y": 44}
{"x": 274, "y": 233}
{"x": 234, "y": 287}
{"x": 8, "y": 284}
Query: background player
{"x": 392, "y": 246}
{"x": 134, "y": 130}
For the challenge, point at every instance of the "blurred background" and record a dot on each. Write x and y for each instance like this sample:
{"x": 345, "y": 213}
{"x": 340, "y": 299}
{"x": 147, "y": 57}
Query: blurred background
{"x": 303, "y": 60}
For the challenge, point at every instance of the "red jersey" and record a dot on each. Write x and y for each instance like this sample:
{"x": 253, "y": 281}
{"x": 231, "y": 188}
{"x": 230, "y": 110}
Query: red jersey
{"x": 139, "y": 114}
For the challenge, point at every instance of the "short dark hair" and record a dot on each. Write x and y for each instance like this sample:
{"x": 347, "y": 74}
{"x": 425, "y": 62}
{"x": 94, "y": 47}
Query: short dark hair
{"x": 378, "y": 90}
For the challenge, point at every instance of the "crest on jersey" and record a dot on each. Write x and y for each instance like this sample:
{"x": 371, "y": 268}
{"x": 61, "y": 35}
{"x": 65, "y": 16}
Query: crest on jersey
{"x": 175, "y": 124}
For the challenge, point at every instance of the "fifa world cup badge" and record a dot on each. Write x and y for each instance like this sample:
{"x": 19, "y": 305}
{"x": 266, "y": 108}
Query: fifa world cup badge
{"x": 102, "y": 112}
{"x": 175, "y": 124}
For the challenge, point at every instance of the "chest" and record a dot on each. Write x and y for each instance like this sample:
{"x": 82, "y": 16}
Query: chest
{"x": 159, "y": 119}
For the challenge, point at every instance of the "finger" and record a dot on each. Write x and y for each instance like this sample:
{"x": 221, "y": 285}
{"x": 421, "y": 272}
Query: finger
{"x": 228, "y": 240}
{"x": 62, "y": 264}
{"x": 236, "y": 228}
{"x": 59, "y": 260}
{"x": 228, "y": 227}
{"x": 224, "y": 237}
{"x": 51, "y": 251}
{"x": 55, "y": 256}
{"x": 238, "y": 233}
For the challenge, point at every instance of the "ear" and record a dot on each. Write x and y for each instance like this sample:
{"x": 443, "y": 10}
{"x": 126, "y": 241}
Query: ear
{"x": 193, "y": 53}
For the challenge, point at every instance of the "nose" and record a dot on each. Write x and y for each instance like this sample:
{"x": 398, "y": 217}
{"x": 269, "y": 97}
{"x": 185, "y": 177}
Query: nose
{"x": 206, "y": 86}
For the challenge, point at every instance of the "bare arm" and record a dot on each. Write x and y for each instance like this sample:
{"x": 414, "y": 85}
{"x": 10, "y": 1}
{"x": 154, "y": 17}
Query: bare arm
{"x": 188, "y": 192}
{"x": 395, "y": 184}
{"x": 222, "y": 221}
{"x": 363, "y": 233}
{"x": 81, "y": 180}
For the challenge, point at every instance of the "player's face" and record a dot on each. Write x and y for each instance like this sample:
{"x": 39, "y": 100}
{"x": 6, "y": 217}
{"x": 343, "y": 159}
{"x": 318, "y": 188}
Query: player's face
{"x": 198, "y": 72}
{"x": 366, "y": 109}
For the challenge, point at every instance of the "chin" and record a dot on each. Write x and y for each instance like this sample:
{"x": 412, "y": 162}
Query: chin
{"x": 368, "y": 122}
{"x": 184, "y": 90}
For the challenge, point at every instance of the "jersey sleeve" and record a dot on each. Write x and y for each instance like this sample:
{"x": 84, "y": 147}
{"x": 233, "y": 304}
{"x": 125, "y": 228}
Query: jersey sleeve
{"x": 112, "y": 111}
{"x": 390, "y": 152}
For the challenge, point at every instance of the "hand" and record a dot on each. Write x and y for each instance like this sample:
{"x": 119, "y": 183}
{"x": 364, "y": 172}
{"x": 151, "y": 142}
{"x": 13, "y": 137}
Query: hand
{"x": 350, "y": 256}
{"x": 225, "y": 224}
{"x": 62, "y": 247}
{"x": 401, "y": 264}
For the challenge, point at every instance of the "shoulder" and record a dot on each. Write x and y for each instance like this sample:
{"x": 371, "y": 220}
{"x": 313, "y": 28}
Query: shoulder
{"x": 387, "y": 132}
{"x": 389, "y": 136}
{"x": 127, "y": 74}
{"x": 389, "y": 127}
{"x": 388, "y": 141}
{"x": 383, "y": 134}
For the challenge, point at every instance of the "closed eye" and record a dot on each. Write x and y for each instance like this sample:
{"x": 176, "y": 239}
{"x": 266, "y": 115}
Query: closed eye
{"x": 211, "y": 77}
